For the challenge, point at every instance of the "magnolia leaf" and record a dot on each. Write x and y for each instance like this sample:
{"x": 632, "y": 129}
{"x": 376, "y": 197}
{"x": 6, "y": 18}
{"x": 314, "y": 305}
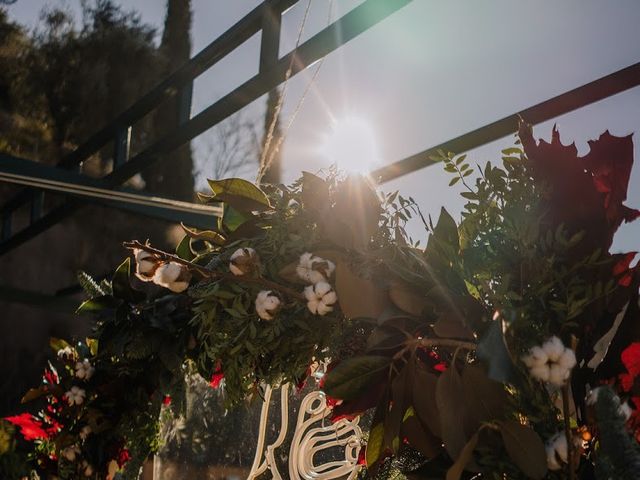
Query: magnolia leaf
{"x": 374, "y": 444}
{"x": 450, "y": 326}
{"x": 353, "y": 376}
{"x": 525, "y": 448}
{"x": 424, "y": 399}
{"x": 401, "y": 388}
{"x": 487, "y": 399}
{"x": 120, "y": 281}
{"x": 451, "y": 406}
{"x": 58, "y": 344}
{"x": 406, "y": 299}
{"x": 387, "y": 337}
{"x": 463, "y": 459}
{"x": 34, "y": 393}
{"x": 357, "y": 296}
{"x": 232, "y": 219}
{"x": 208, "y": 235}
{"x": 240, "y": 194}
{"x": 420, "y": 437}
{"x": 97, "y": 304}
{"x": 492, "y": 350}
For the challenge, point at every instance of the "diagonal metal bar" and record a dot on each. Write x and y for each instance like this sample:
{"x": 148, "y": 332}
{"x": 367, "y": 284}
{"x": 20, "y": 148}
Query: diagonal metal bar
{"x": 327, "y": 40}
{"x": 26, "y": 172}
{"x": 592, "y": 92}
{"x": 244, "y": 29}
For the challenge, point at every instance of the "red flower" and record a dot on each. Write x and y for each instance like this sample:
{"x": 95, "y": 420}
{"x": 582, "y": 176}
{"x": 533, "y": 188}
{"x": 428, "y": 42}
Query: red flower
{"x": 217, "y": 377}
{"x": 30, "y": 427}
{"x": 50, "y": 377}
{"x": 166, "y": 400}
{"x": 123, "y": 457}
{"x": 631, "y": 359}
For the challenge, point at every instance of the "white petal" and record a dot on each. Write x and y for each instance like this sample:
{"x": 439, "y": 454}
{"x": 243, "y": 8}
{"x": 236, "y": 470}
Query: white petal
{"x": 330, "y": 298}
{"x": 540, "y": 372}
{"x": 554, "y": 348}
{"x": 312, "y": 305}
{"x": 310, "y": 294}
{"x": 272, "y": 302}
{"x": 178, "y": 287}
{"x": 305, "y": 260}
{"x": 323, "y": 308}
{"x": 322, "y": 288}
{"x": 315, "y": 277}
{"x": 567, "y": 359}
{"x": 539, "y": 356}
{"x": 167, "y": 273}
{"x": 558, "y": 375}
{"x": 235, "y": 270}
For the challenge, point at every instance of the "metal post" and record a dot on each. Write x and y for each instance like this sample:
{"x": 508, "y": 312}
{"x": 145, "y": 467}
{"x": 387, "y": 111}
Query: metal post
{"x": 121, "y": 147}
{"x": 6, "y": 226}
{"x": 270, "y": 41}
{"x": 184, "y": 102}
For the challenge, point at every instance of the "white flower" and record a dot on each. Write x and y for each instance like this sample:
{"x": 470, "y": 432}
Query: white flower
{"x": 244, "y": 261}
{"x": 84, "y": 370}
{"x": 70, "y": 453}
{"x": 552, "y": 362}
{"x": 66, "y": 353}
{"x": 320, "y": 298}
{"x": 146, "y": 264}
{"x": 75, "y": 396}
{"x": 84, "y": 432}
{"x": 267, "y": 304}
{"x": 557, "y": 451}
{"x": 554, "y": 348}
{"x": 314, "y": 269}
{"x": 173, "y": 276}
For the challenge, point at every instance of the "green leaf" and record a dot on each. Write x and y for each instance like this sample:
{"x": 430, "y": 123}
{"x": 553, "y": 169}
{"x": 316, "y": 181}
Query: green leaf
{"x": 525, "y": 448}
{"x": 97, "y": 304}
{"x": 424, "y": 400}
{"x": 89, "y": 285}
{"x": 183, "y": 250}
{"x": 34, "y": 393}
{"x": 454, "y": 181}
{"x": 492, "y": 350}
{"x": 374, "y": 444}
{"x": 466, "y": 455}
{"x": 353, "y": 376}
{"x": 120, "y": 281}
{"x": 451, "y": 406}
{"x": 232, "y": 218}
{"x": 92, "y": 343}
{"x": 487, "y": 399}
{"x": 208, "y": 235}
{"x": 240, "y": 194}
{"x": 58, "y": 344}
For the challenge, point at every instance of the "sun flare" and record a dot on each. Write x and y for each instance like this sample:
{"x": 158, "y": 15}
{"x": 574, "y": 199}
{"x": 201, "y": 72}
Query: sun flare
{"x": 351, "y": 144}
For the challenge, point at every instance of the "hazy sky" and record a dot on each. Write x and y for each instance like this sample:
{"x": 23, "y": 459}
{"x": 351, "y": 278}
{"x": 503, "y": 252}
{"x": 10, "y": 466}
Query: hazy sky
{"x": 428, "y": 73}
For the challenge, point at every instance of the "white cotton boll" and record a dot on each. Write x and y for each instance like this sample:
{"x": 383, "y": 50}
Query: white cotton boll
{"x": 167, "y": 273}
{"x": 567, "y": 359}
{"x": 558, "y": 375}
{"x": 145, "y": 261}
{"x": 330, "y": 298}
{"x": 75, "y": 396}
{"x": 177, "y": 287}
{"x": 313, "y": 269}
{"x": 267, "y": 304}
{"x": 84, "y": 432}
{"x": 235, "y": 270}
{"x": 540, "y": 372}
{"x": 538, "y": 356}
{"x": 321, "y": 289}
{"x": 313, "y": 305}
{"x": 323, "y": 308}
{"x": 310, "y": 294}
{"x": 84, "y": 370}
{"x": 554, "y": 348}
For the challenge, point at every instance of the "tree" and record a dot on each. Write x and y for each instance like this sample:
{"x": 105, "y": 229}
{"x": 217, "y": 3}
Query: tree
{"x": 173, "y": 173}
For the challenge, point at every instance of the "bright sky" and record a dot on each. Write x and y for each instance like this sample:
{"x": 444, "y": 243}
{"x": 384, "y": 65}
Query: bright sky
{"x": 428, "y": 73}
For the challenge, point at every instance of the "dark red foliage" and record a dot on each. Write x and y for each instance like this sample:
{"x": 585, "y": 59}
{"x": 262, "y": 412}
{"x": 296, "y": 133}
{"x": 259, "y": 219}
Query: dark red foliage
{"x": 30, "y": 427}
{"x": 631, "y": 360}
{"x": 217, "y": 377}
{"x": 123, "y": 457}
{"x": 586, "y": 193}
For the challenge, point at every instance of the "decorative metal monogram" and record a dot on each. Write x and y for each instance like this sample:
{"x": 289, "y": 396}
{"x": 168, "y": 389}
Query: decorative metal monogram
{"x": 313, "y": 434}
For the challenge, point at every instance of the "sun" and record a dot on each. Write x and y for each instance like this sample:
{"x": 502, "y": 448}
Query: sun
{"x": 351, "y": 144}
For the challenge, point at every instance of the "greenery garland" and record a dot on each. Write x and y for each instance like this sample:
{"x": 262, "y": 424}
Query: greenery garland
{"x": 476, "y": 354}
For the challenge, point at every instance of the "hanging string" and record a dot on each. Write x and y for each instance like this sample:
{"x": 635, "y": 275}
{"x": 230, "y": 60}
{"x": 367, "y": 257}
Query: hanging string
{"x": 264, "y": 165}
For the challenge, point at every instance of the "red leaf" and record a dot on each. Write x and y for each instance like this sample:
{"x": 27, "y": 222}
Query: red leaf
{"x": 631, "y": 360}
{"x": 622, "y": 265}
{"x": 30, "y": 428}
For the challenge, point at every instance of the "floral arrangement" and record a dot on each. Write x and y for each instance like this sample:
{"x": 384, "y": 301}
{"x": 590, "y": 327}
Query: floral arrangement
{"x": 509, "y": 347}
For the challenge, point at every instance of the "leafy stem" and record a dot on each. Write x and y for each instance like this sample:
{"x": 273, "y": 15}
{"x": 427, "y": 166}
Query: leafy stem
{"x": 213, "y": 274}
